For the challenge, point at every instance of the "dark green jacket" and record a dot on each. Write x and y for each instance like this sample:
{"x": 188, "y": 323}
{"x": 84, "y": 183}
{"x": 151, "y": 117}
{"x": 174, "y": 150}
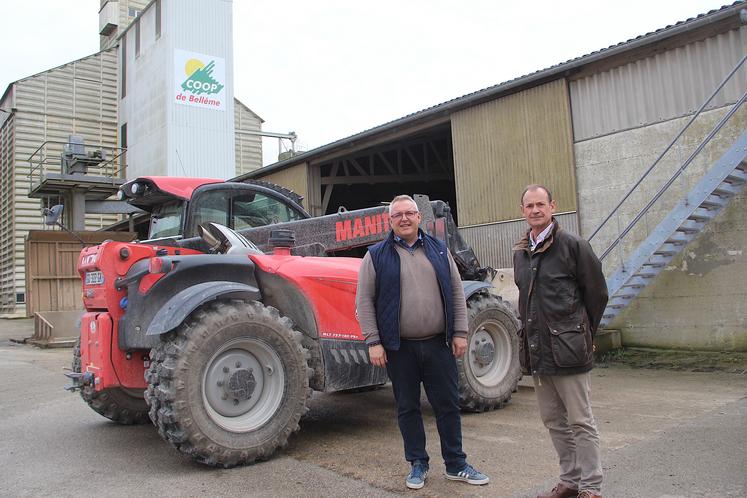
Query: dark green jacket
{"x": 562, "y": 295}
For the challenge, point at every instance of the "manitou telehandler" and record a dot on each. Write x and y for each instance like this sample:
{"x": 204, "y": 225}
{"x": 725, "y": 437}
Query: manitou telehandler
{"x": 219, "y": 325}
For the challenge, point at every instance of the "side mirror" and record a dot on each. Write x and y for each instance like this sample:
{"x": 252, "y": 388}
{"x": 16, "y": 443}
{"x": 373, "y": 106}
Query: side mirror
{"x": 52, "y": 218}
{"x": 52, "y": 215}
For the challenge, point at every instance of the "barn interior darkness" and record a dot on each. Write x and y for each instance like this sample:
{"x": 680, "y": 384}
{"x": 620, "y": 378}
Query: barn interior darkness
{"x": 417, "y": 164}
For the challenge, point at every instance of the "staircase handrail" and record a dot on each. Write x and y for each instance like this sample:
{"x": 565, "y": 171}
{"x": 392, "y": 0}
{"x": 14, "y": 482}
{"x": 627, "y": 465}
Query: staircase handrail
{"x": 663, "y": 153}
{"x": 676, "y": 175}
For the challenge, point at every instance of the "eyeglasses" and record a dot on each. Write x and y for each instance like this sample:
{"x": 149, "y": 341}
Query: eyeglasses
{"x": 402, "y": 214}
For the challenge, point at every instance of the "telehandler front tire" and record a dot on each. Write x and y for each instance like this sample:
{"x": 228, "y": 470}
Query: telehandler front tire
{"x": 229, "y": 386}
{"x": 489, "y": 371}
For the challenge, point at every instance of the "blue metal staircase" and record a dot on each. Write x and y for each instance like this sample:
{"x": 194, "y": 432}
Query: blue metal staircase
{"x": 724, "y": 180}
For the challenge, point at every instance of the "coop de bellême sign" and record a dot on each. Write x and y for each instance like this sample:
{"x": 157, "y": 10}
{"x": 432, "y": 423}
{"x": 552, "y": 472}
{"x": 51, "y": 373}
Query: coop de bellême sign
{"x": 199, "y": 80}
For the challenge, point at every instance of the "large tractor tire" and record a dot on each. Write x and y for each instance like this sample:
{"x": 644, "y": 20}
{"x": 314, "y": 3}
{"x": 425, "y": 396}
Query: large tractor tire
{"x": 124, "y": 406}
{"x": 489, "y": 371}
{"x": 229, "y": 386}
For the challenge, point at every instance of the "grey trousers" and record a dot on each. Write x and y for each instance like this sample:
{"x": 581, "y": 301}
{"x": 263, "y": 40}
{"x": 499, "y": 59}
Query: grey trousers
{"x": 565, "y": 407}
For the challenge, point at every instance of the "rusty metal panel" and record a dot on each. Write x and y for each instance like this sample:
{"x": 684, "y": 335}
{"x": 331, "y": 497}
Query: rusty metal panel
{"x": 294, "y": 178}
{"x": 503, "y": 145}
{"x": 493, "y": 242}
{"x": 667, "y": 85}
{"x": 248, "y": 147}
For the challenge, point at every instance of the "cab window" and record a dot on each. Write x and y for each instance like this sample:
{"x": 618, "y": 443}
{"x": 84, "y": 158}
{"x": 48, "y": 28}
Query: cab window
{"x": 166, "y": 221}
{"x": 213, "y": 206}
{"x": 241, "y": 210}
{"x": 254, "y": 210}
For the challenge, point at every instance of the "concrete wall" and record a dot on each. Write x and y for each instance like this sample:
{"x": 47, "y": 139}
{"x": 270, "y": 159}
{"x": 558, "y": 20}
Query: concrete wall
{"x": 698, "y": 302}
{"x": 608, "y": 166}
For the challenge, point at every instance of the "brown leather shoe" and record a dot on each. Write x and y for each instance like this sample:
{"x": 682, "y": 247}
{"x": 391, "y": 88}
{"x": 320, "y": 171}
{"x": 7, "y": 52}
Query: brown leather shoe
{"x": 586, "y": 493}
{"x": 561, "y": 491}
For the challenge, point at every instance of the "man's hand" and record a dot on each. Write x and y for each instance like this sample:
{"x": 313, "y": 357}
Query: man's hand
{"x": 377, "y": 355}
{"x": 459, "y": 346}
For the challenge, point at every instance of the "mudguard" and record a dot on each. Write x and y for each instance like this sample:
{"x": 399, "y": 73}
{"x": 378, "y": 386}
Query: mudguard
{"x": 473, "y": 286}
{"x": 192, "y": 273}
{"x": 187, "y": 300}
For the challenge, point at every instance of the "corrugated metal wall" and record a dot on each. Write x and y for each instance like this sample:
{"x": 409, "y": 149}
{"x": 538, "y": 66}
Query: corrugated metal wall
{"x": 248, "y": 147}
{"x": 7, "y": 180}
{"x": 493, "y": 242}
{"x": 503, "y": 145}
{"x": 124, "y": 19}
{"x": 667, "y": 85}
{"x": 77, "y": 98}
{"x": 294, "y": 178}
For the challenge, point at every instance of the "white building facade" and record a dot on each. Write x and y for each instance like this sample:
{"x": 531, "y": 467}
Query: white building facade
{"x": 176, "y": 104}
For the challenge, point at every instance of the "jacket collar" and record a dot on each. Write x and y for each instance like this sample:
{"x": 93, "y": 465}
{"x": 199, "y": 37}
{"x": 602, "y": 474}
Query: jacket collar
{"x": 523, "y": 243}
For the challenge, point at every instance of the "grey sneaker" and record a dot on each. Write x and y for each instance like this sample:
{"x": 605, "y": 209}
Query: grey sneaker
{"x": 416, "y": 477}
{"x": 470, "y": 475}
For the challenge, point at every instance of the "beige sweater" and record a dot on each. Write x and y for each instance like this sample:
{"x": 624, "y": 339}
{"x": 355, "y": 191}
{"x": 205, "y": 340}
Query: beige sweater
{"x": 421, "y": 313}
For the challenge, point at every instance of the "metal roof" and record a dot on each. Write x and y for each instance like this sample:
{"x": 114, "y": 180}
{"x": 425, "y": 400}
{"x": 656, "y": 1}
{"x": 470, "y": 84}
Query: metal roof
{"x": 532, "y": 79}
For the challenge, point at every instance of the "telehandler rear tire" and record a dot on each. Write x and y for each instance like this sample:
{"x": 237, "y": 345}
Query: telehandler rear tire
{"x": 124, "y": 406}
{"x": 489, "y": 371}
{"x": 229, "y": 386}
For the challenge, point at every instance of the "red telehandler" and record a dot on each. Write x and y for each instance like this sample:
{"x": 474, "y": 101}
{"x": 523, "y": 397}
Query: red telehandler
{"x": 219, "y": 325}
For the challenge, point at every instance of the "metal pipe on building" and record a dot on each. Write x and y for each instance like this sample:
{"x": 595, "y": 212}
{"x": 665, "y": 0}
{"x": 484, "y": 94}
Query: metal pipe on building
{"x": 280, "y": 136}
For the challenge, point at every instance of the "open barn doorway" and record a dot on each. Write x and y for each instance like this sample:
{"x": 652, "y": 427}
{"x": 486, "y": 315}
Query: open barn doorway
{"x": 417, "y": 164}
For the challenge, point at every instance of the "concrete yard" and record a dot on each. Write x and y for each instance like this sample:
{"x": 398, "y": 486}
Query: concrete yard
{"x": 664, "y": 434}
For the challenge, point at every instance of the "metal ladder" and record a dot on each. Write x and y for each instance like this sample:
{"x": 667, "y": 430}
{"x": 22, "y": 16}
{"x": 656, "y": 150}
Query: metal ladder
{"x": 725, "y": 179}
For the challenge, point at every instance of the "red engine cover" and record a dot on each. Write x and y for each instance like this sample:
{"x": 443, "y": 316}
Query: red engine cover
{"x": 328, "y": 283}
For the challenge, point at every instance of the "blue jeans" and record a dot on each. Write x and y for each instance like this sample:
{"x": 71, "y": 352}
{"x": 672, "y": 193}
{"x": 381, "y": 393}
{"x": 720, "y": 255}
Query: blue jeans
{"x": 431, "y": 362}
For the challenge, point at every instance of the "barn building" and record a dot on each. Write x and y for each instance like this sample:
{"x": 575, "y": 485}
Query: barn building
{"x": 590, "y": 129}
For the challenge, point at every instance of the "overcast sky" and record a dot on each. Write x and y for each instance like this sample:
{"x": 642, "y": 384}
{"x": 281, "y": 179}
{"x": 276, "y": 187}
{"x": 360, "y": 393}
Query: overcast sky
{"x": 327, "y": 69}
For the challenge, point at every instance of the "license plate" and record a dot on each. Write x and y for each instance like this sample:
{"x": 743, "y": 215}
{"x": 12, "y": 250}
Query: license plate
{"x": 94, "y": 278}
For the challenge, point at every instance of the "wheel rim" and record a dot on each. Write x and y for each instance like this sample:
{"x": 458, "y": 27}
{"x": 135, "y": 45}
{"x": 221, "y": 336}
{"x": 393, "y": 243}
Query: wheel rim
{"x": 489, "y": 353}
{"x": 243, "y": 385}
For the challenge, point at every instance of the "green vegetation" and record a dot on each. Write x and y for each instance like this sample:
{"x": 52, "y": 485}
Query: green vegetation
{"x": 690, "y": 361}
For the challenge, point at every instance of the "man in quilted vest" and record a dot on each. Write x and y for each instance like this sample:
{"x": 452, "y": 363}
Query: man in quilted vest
{"x": 413, "y": 314}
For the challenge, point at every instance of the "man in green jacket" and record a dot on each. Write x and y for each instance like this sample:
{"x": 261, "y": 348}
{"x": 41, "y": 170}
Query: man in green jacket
{"x": 562, "y": 295}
